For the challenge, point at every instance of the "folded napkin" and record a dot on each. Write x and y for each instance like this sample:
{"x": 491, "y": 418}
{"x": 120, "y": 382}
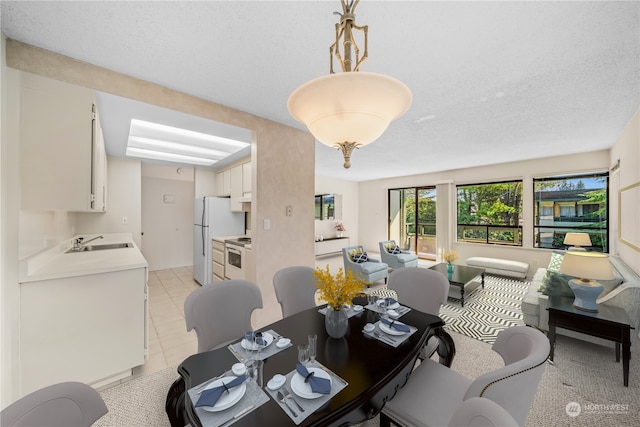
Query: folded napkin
{"x": 210, "y": 396}
{"x": 390, "y": 301}
{"x": 318, "y": 385}
{"x": 395, "y": 325}
{"x": 250, "y": 336}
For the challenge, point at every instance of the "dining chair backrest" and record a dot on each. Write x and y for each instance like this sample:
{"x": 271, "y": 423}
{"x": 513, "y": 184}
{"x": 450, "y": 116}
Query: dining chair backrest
{"x": 524, "y": 351}
{"x": 478, "y": 411}
{"x": 295, "y": 289}
{"x": 58, "y": 405}
{"x": 423, "y": 289}
{"x": 221, "y": 312}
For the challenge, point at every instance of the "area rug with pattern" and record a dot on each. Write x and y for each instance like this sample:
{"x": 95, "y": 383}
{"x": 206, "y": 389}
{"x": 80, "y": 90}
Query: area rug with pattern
{"x": 486, "y": 311}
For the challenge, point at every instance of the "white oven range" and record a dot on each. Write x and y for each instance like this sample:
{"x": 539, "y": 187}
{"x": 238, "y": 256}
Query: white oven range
{"x": 235, "y": 261}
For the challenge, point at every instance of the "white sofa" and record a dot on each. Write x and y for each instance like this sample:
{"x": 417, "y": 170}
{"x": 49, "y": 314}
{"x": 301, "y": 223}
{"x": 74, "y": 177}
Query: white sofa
{"x": 626, "y": 295}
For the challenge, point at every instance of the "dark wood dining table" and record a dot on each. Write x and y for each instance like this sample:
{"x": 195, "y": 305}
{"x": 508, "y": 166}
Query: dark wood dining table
{"x": 373, "y": 370}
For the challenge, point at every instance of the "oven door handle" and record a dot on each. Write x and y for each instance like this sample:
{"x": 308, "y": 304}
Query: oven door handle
{"x": 234, "y": 251}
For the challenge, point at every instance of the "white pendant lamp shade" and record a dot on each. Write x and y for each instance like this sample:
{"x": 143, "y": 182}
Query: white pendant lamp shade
{"x": 354, "y": 107}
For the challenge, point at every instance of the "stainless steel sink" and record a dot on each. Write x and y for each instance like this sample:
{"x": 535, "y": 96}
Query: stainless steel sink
{"x": 101, "y": 247}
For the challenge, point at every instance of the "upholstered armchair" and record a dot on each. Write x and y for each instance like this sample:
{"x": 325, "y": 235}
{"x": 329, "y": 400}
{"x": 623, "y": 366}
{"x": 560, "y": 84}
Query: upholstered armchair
{"x": 370, "y": 270}
{"x": 394, "y": 257}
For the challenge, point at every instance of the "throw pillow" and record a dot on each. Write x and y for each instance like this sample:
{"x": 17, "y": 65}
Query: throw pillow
{"x": 553, "y": 267}
{"x": 556, "y": 261}
{"x": 360, "y": 258}
{"x": 558, "y": 284}
{"x": 395, "y": 250}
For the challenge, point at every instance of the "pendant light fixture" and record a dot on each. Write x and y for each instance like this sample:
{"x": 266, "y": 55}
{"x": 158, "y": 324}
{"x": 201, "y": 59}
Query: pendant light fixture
{"x": 349, "y": 109}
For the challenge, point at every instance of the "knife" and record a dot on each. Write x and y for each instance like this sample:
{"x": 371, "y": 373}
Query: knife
{"x": 238, "y": 415}
{"x": 235, "y": 352}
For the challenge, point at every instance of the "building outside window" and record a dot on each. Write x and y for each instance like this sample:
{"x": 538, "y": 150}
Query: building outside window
{"x": 577, "y": 204}
{"x": 490, "y": 213}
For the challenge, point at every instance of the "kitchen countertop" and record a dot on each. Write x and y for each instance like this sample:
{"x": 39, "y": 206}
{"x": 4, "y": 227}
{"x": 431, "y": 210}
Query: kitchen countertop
{"x": 222, "y": 239}
{"x": 54, "y": 263}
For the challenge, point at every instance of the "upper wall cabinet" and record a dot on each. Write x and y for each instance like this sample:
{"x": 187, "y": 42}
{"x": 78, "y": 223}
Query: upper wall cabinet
{"x": 235, "y": 183}
{"x": 223, "y": 183}
{"x": 62, "y": 154}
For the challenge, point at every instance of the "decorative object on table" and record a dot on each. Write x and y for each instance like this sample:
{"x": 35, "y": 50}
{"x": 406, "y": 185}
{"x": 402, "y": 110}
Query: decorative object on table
{"x": 368, "y": 101}
{"x": 576, "y": 241}
{"x": 339, "y": 228}
{"x": 588, "y": 266}
{"x": 337, "y": 291}
{"x": 450, "y": 256}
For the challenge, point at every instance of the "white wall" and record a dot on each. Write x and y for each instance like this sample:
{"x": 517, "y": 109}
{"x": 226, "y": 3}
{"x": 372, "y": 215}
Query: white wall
{"x": 123, "y": 201}
{"x": 627, "y": 150}
{"x": 349, "y": 192}
{"x": 167, "y": 215}
{"x": 372, "y": 224}
{"x": 205, "y": 182}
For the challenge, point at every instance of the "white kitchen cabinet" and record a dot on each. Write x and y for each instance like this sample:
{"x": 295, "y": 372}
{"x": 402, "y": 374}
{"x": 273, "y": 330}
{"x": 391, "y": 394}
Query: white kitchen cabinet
{"x": 89, "y": 328}
{"x": 218, "y": 261}
{"x": 63, "y": 162}
{"x": 246, "y": 179}
{"x": 332, "y": 245}
{"x": 223, "y": 183}
{"x": 236, "y": 188}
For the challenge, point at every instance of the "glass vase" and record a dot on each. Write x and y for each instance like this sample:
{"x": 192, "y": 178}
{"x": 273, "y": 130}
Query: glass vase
{"x": 336, "y": 322}
{"x": 450, "y": 268}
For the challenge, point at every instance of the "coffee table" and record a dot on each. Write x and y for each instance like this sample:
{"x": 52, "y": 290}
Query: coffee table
{"x": 611, "y": 323}
{"x": 462, "y": 277}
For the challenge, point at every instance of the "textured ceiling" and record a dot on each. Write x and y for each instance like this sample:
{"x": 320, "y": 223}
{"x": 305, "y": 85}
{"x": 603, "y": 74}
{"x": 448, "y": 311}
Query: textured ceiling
{"x": 492, "y": 82}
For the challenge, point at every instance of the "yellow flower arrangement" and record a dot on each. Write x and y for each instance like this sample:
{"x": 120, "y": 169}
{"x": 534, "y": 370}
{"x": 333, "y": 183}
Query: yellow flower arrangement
{"x": 340, "y": 289}
{"x": 450, "y": 256}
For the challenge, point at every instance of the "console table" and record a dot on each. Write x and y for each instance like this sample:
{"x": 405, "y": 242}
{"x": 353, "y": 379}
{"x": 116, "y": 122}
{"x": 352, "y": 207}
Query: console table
{"x": 610, "y": 323}
{"x": 331, "y": 245}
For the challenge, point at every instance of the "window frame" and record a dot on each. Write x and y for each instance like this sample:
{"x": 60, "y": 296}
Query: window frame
{"x": 492, "y": 229}
{"x": 579, "y": 213}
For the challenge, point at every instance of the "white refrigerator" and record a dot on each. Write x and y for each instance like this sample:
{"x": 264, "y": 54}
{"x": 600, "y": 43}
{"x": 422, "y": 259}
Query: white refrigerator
{"x": 212, "y": 217}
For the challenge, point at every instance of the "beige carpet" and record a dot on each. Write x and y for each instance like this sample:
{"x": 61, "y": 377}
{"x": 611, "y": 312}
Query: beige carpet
{"x": 583, "y": 373}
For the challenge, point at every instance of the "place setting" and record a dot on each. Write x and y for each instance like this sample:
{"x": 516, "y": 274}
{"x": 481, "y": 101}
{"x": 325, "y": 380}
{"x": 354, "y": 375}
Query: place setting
{"x": 389, "y": 306}
{"x": 222, "y": 400}
{"x": 350, "y": 309}
{"x": 306, "y": 388}
{"x": 259, "y": 345}
{"x": 390, "y": 331}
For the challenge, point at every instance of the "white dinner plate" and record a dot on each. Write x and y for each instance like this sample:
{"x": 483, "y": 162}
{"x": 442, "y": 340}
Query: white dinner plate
{"x": 227, "y": 400}
{"x": 302, "y": 389}
{"x": 390, "y": 331}
{"x": 357, "y": 308}
{"x": 266, "y": 336}
{"x": 392, "y": 306}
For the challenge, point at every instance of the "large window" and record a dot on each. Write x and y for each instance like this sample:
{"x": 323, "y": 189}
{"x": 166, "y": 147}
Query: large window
{"x": 576, "y": 203}
{"x": 490, "y": 213}
{"x": 412, "y": 219}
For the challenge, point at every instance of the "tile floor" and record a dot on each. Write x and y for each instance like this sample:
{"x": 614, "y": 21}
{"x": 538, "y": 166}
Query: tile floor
{"x": 169, "y": 341}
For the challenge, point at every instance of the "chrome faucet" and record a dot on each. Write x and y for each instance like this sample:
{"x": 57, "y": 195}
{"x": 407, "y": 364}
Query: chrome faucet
{"x": 79, "y": 242}
{"x": 91, "y": 240}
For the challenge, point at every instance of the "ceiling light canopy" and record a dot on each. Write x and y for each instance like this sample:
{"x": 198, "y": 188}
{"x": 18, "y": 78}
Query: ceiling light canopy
{"x": 161, "y": 142}
{"x": 350, "y": 109}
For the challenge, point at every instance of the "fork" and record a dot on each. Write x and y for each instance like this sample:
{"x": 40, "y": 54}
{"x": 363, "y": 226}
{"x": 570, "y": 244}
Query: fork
{"x": 383, "y": 338}
{"x": 288, "y": 395}
{"x": 282, "y": 398}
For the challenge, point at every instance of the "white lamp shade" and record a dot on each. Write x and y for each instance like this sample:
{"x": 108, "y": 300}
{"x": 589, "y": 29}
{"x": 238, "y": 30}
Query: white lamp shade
{"x": 587, "y": 265}
{"x": 350, "y": 106}
{"x": 577, "y": 239}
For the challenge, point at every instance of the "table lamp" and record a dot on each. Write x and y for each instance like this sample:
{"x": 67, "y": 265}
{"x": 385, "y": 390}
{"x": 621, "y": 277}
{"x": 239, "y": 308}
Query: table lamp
{"x": 588, "y": 266}
{"x": 577, "y": 240}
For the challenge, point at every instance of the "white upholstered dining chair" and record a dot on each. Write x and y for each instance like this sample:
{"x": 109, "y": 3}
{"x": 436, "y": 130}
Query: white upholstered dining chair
{"x": 481, "y": 412}
{"x": 67, "y": 404}
{"x": 433, "y": 392}
{"x": 221, "y": 312}
{"x": 425, "y": 290}
{"x": 295, "y": 289}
